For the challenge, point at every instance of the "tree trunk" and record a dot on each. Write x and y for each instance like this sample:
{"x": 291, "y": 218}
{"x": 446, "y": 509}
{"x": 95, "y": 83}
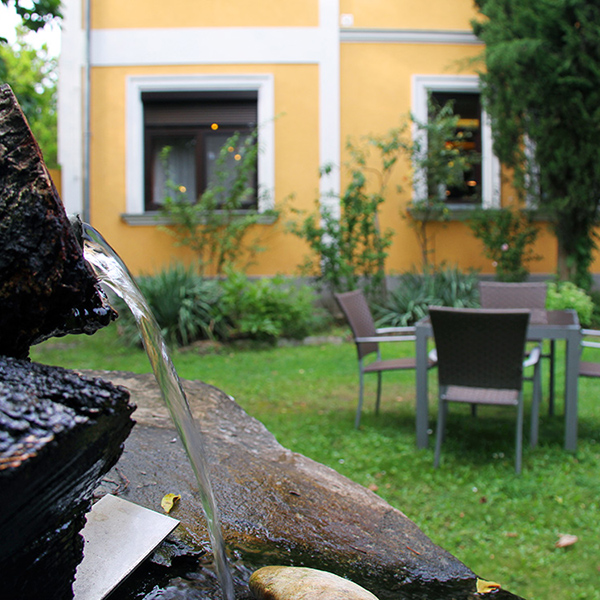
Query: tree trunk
{"x": 565, "y": 265}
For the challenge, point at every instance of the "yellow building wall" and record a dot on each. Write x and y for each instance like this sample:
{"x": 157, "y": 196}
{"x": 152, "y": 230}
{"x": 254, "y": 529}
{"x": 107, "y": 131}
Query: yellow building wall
{"x": 55, "y": 175}
{"x": 407, "y": 14}
{"x": 375, "y": 92}
{"x": 375, "y": 97}
{"x": 148, "y": 248}
{"x": 116, "y": 14}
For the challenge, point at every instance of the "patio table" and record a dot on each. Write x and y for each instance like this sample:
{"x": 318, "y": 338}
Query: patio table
{"x": 543, "y": 325}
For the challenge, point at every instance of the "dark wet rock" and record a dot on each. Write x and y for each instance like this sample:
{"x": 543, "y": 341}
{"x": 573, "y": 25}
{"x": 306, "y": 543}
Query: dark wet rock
{"x": 301, "y": 583}
{"x": 59, "y": 435}
{"x": 46, "y": 287}
{"x": 278, "y": 507}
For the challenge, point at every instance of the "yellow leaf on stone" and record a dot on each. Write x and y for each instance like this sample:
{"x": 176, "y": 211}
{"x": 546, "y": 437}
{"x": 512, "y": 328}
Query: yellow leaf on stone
{"x": 169, "y": 501}
{"x": 485, "y": 587}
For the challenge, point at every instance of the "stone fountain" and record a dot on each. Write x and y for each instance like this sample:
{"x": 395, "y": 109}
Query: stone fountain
{"x": 59, "y": 432}
{"x": 66, "y": 437}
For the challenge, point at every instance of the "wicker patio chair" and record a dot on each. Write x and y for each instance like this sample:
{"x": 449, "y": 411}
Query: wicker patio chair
{"x": 480, "y": 361}
{"x": 367, "y": 339}
{"x": 588, "y": 368}
{"x": 531, "y": 295}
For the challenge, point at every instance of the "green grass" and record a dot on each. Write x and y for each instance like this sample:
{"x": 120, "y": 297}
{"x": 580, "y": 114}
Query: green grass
{"x": 503, "y": 526}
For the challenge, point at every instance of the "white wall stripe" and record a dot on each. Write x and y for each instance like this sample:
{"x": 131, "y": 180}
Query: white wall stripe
{"x": 70, "y": 107}
{"x": 215, "y": 46}
{"x": 329, "y": 103}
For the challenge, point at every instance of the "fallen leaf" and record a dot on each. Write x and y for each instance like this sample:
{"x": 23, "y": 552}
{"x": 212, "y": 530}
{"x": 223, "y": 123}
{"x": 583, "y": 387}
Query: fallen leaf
{"x": 169, "y": 501}
{"x": 485, "y": 587}
{"x": 566, "y": 540}
{"x": 373, "y": 487}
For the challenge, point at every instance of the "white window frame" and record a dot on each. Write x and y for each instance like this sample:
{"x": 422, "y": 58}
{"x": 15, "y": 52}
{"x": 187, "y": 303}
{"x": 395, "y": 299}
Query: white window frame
{"x": 261, "y": 83}
{"x": 422, "y": 85}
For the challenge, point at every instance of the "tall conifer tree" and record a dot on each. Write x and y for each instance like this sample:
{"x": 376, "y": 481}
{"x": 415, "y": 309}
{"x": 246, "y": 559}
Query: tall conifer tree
{"x": 541, "y": 88}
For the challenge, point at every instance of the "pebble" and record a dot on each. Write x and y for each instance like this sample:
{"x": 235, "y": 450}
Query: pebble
{"x": 301, "y": 583}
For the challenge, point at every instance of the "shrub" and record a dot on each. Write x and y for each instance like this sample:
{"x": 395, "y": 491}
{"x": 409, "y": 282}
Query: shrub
{"x": 440, "y": 286}
{"x": 348, "y": 247}
{"x": 217, "y": 226}
{"x": 507, "y": 236}
{"x": 440, "y": 161}
{"x": 566, "y": 294}
{"x": 183, "y": 304}
{"x": 267, "y": 309}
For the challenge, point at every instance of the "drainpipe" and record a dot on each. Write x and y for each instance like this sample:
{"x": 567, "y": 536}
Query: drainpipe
{"x": 86, "y": 115}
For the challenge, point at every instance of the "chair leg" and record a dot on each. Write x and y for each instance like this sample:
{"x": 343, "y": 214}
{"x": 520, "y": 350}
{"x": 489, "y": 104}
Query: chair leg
{"x": 441, "y": 426}
{"x": 378, "y": 393}
{"x": 551, "y": 399}
{"x": 519, "y": 436}
{"x": 361, "y": 385}
{"x": 535, "y": 406}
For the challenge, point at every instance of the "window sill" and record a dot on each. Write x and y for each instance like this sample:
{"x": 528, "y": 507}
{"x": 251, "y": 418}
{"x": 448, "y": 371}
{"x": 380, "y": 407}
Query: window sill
{"x": 465, "y": 212}
{"x": 455, "y": 212}
{"x": 155, "y": 218}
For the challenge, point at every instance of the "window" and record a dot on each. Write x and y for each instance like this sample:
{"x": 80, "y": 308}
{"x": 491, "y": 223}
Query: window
{"x": 482, "y": 182}
{"x": 467, "y": 106}
{"x": 183, "y": 135}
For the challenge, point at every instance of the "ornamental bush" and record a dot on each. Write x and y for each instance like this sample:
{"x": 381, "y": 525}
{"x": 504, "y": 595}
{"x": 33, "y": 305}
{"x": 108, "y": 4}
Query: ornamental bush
{"x": 507, "y": 236}
{"x": 184, "y": 304}
{"x": 267, "y": 309}
{"x": 189, "y": 307}
{"x": 566, "y": 294}
{"x": 439, "y": 286}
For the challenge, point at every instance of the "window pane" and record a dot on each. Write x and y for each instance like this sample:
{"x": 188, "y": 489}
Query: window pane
{"x": 468, "y": 107}
{"x": 174, "y": 159}
{"x": 213, "y": 144}
{"x": 194, "y": 125}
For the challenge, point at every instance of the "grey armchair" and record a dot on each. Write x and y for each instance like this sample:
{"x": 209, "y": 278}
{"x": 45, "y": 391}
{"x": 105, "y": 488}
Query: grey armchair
{"x": 367, "y": 339}
{"x": 480, "y": 361}
{"x": 589, "y": 368}
{"x": 528, "y": 294}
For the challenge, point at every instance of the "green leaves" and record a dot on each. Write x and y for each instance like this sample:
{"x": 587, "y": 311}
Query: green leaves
{"x": 36, "y": 13}
{"x": 183, "y": 304}
{"x": 440, "y": 286}
{"x": 541, "y": 89}
{"x": 351, "y": 250}
{"x": 567, "y": 295}
{"x": 267, "y": 309}
{"x": 33, "y": 77}
{"x": 189, "y": 307}
{"x": 439, "y": 163}
{"x": 508, "y": 236}
{"x": 217, "y": 226}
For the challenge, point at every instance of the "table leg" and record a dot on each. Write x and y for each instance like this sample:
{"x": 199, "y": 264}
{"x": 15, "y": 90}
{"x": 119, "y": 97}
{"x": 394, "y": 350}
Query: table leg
{"x": 572, "y": 352}
{"x": 422, "y": 408}
{"x": 551, "y": 378}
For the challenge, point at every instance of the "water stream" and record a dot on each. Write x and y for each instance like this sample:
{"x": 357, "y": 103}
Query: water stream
{"x": 111, "y": 270}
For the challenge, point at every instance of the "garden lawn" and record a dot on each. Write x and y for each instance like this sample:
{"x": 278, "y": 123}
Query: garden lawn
{"x": 503, "y": 526}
